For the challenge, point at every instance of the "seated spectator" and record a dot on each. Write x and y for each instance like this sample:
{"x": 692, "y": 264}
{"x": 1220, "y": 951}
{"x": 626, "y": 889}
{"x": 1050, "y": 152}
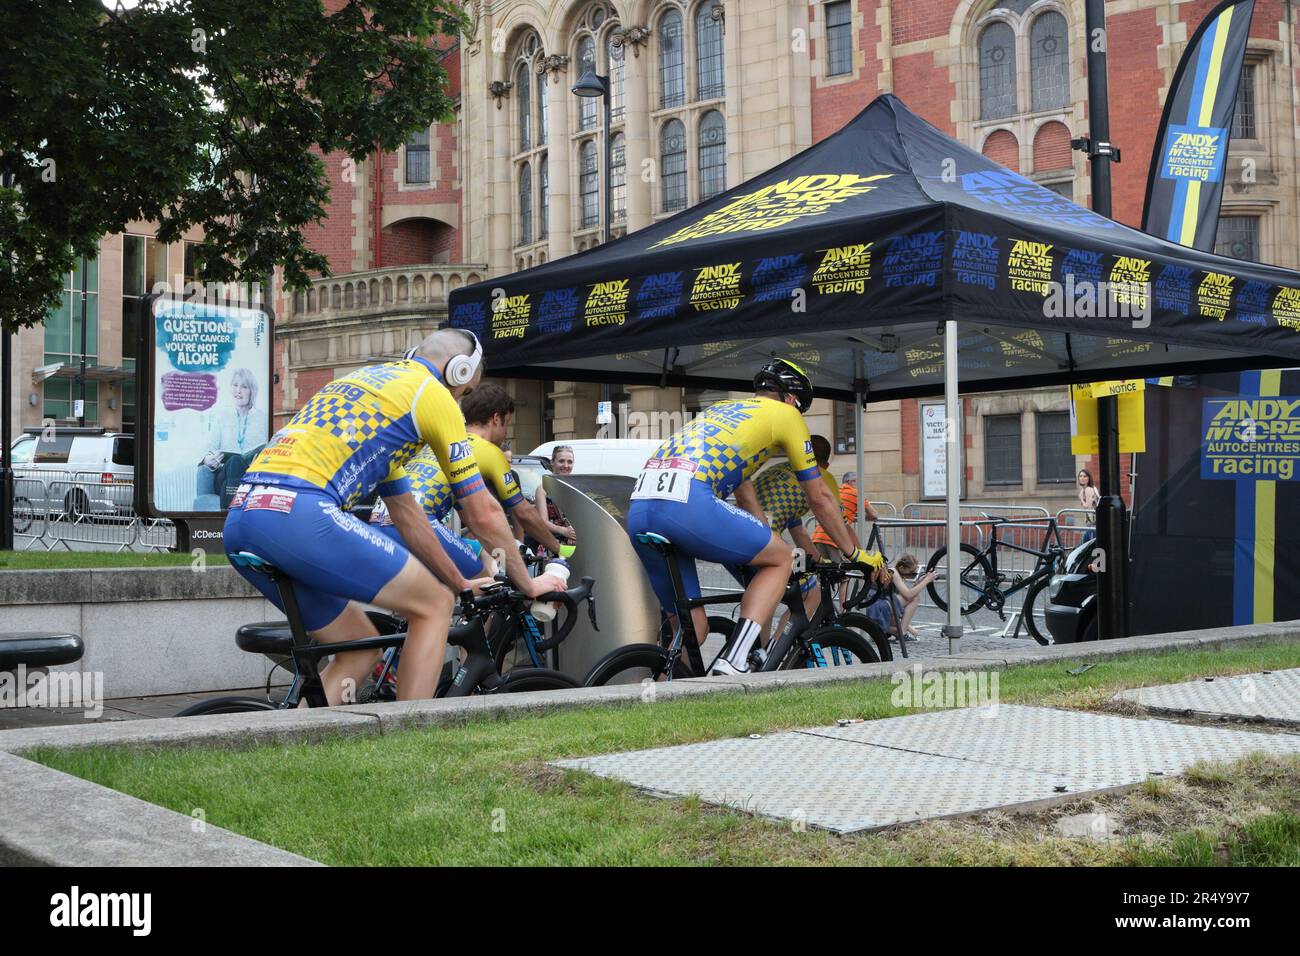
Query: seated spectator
{"x": 893, "y": 612}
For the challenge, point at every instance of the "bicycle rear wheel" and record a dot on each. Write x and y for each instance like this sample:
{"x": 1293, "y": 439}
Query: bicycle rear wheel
{"x": 633, "y": 664}
{"x": 523, "y": 679}
{"x": 1034, "y": 612}
{"x": 830, "y": 646}
{"x": 976, "y": 577}
{"x": 227, "y": 705}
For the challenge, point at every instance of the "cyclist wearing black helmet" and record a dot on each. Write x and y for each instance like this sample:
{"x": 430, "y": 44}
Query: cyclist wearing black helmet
{"x": 682, "y": 490}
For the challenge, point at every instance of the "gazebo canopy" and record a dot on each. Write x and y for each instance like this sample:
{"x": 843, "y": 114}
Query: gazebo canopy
{"x": 848, "y": 258}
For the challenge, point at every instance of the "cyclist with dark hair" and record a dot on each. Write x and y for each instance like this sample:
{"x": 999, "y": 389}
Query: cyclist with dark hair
{"x": 682, "y": 490}
{"x": 351, "y": 440}
{"x": 489, "y": 411}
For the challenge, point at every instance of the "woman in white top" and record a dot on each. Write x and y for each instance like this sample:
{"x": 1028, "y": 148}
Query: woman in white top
{"x": 1088, "y": 498}
{"x": 235, "y": 430}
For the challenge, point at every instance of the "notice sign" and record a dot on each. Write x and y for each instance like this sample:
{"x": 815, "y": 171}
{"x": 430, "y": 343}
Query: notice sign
{"x": 208, "y": 395}
{"x": 1246, "y": 438}
{"x": 934, "y": 450}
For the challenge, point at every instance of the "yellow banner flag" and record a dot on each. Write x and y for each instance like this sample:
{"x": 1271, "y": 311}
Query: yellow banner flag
{"x": 1132, "y": 415}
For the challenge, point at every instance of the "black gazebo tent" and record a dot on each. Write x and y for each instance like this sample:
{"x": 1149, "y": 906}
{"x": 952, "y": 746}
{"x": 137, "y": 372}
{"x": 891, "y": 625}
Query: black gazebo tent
{"x": 849, "y": 257}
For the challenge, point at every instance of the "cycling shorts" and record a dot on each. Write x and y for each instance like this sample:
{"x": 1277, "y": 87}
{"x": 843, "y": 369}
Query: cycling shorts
{"x": 704, "y": 527}
{"x": 464, "y": 553}
{"x": 331, "y": 556}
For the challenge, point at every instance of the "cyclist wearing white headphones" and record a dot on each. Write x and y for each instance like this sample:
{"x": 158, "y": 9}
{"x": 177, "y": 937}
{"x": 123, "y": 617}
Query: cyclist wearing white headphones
{"x": 348, "y": 442}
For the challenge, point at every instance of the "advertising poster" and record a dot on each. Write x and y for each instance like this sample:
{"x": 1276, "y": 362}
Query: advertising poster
{"x": 209, "y": 397}
{"x": 934, "y": 452}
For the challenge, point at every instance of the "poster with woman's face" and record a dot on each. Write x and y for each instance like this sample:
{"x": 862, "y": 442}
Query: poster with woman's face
{"x": 211, "y": 402}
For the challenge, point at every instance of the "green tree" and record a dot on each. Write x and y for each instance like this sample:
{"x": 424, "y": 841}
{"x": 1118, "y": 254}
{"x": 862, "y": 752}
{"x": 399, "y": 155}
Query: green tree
{"x": 207, "y": 112}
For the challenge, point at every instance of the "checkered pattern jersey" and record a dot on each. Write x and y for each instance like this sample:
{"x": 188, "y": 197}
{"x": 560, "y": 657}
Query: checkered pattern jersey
{"x": 782, "y": 498}
{"x": 730, "y": 440}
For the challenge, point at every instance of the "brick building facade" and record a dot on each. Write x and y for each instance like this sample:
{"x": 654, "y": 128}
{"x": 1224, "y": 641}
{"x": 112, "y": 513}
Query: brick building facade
{"x": 707, "y": 94}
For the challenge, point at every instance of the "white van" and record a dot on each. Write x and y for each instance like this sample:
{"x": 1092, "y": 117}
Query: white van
{"x": 75, "y": 470}
{"x": 606, "y": 456}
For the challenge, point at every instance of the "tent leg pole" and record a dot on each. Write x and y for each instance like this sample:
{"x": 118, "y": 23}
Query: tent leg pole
{"x": 953, "y": 463}
{"x": 860, "y": 455}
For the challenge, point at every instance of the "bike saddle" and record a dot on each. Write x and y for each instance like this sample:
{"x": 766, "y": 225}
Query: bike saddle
{"x": 654, "y": 540}
{"x": 265, "y": 637}
{"x": 247, "y": 559}
{"x": 38, "y": 649}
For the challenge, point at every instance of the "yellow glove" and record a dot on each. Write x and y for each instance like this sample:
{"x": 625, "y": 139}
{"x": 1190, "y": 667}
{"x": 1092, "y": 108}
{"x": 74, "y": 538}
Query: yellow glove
{"x": 567, "y": 550}
{"x": 872, "y": 559}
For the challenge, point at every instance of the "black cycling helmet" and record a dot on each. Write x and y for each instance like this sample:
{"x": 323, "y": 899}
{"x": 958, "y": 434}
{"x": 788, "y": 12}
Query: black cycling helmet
{"x": 783, "y": 376}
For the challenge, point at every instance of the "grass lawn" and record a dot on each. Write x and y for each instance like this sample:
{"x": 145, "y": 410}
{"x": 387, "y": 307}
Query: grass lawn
{"x": 481, "y": 792}
{"x": 47, "y": 560}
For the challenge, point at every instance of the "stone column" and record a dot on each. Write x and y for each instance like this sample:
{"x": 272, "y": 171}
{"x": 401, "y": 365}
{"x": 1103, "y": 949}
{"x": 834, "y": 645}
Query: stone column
{"x": 575, "y": 409}
{"x": 559, "y": 157}
{"x": 637, "y": 64}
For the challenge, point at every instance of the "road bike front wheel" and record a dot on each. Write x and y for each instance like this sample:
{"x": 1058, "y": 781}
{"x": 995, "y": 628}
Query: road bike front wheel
{"x": 830, "y": 646}
{"x": 633, "y": 664}
{"x": 976, "y": 578}
{"x": 869, "y": 629}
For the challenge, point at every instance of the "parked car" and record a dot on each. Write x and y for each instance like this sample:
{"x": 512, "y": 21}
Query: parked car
{"x": 73, "y": 471}
{"x": 1072, "y": 599}
{"x": 530, "y": 469}
{"x": 605, "y": 456}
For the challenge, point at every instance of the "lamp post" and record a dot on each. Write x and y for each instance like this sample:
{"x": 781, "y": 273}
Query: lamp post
{"x": 590, "y": 84}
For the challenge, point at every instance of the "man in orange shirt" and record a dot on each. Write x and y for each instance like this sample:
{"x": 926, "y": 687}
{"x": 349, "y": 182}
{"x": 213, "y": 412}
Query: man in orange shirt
{"x": 849, "y": 507}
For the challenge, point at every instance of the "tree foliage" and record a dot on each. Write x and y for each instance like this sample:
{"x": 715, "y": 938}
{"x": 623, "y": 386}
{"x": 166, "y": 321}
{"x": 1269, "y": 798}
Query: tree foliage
{"x": 207, "y": 112}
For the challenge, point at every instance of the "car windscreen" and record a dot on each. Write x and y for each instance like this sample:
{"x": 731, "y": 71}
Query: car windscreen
{"x": 21, "y": 452}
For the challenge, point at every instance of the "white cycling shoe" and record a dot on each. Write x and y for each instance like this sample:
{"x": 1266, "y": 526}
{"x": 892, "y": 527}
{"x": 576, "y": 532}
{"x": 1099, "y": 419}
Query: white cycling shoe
{"x": 724, "y": 668}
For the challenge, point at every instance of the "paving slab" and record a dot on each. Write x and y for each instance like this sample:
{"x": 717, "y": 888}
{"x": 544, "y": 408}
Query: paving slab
{"x": 929, "y": 765}
{"x": 834, "y": 785}
{"x": 1109, "y": 751}
{"x": 1269, "y": 697}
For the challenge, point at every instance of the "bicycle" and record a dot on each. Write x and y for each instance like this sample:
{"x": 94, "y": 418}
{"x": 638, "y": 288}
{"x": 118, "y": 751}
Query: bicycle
{"x": 803, "y": 643}
{"x": 983, "y": 581}
{"x": 288, "y": 641}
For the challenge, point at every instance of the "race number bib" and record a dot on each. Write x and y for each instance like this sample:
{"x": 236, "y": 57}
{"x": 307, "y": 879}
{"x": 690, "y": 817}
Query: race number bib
{"x": 665, "y": 479}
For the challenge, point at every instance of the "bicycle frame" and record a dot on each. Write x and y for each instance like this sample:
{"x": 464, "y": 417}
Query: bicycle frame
{"x": 1046, "y": 556}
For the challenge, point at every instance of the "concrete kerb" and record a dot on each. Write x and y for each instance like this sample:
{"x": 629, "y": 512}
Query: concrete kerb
{"x": 266, "y": 727}
{"x": 53, "y": 819}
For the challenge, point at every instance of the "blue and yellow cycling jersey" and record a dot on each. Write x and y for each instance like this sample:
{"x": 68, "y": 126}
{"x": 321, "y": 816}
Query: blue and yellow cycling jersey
{"x": 782, "y": 497}
{"x": 496, "y": 472}
{"x": 429, "y": 486}
{"x": 730, "y": 440}
{"x": 355, "y": 435}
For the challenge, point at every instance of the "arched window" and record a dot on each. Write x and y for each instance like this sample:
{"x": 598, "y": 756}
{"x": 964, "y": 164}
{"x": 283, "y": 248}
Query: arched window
{"x": 1049, "y": 62}
{"x": 587, "y": 64}
{"x": 713, "y": 155}
{"x": 525, "y": 205}
{"x": 523, "y": 89}
{"x": 618, "y": 177}
{"x": 589, "y": 183}
{"x": 544, "y": 198}
{"x": 709, "y": 78}
{"x": 543, "y": 109}
{"x": 672, "y": 164}
{"x": 997, "y": 46}
{"x": 672, "y": 67}
{"x": 614, "y": 59}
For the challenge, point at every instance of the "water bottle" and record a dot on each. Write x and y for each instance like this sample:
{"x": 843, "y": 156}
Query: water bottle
{"x": 541, "y": 610}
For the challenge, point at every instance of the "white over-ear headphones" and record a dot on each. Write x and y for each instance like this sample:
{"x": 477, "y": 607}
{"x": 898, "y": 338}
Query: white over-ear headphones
{"x": 461, "y": 368}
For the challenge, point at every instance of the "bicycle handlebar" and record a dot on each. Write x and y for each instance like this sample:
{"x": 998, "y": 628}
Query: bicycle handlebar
{"x": 502, "y": 596}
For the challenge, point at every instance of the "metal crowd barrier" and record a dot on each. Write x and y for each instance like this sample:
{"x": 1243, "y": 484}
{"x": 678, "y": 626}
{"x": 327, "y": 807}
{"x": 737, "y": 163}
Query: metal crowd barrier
{"x": 83, "y": 514}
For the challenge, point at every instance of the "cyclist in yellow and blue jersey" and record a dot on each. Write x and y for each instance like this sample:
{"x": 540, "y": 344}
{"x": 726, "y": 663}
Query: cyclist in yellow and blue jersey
{"x": 488, "y": 414}
{"x": 350, "y": 441}
{"x": 432, "y": 491}
{"x": 680, "y": 496}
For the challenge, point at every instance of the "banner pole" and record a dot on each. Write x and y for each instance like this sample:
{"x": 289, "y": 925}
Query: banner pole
{"x": 952, "y": 472}
{"x": 1110, "y": 509}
